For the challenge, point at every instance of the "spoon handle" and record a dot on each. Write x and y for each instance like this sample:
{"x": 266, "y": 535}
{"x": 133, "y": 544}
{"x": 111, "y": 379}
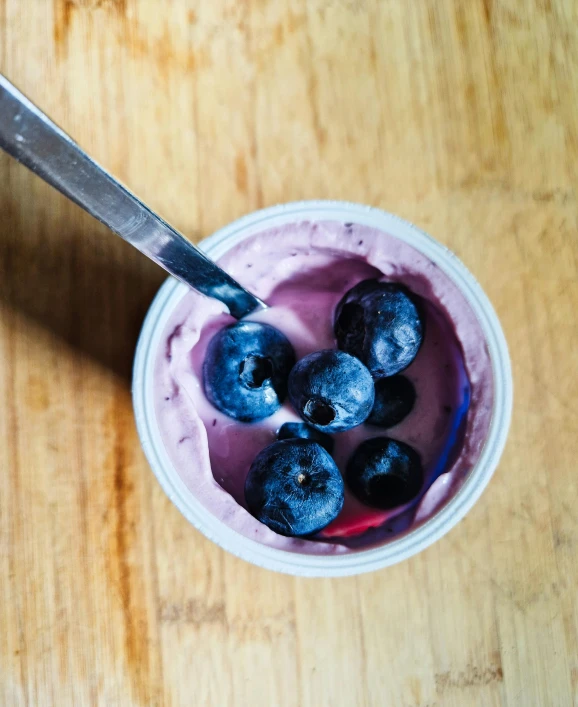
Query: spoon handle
{"x": 28, "y": 135}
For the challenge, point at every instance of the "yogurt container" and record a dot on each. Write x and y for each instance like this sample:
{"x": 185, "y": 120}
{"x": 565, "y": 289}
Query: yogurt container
{"x": 436, "y": 514}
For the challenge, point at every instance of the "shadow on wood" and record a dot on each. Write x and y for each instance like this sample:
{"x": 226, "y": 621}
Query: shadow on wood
{"x": 70, "y": 274}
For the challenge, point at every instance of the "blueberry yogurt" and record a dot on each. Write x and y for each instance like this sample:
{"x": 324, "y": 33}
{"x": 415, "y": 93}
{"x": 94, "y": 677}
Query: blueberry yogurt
{"x": 342, "y": 416}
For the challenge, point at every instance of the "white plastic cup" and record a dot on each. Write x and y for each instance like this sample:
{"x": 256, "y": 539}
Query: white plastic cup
{"x": 337, "y": 564}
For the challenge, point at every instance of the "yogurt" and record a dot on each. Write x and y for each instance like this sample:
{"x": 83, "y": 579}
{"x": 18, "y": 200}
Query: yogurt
{"x": 302, "y": 270}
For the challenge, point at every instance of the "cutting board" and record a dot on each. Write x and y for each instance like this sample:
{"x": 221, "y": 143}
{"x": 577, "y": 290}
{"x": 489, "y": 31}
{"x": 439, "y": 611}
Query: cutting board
{"x": 459, "y": 116}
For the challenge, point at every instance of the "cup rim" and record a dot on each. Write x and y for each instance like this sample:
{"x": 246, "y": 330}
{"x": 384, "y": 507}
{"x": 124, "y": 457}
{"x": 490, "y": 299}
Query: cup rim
{"x": 360, "y": 561}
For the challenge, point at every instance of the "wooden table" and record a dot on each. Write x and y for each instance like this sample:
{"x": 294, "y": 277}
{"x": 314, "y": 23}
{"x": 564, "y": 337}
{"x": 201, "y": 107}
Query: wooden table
{"x": 460, "y": 116}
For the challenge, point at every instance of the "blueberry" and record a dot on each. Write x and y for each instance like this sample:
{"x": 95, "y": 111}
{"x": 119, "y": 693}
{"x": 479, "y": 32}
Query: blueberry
{"x": 384, "y": 473}
{"x": 246, "y": 369}
{"x": 380, "y": 323}
{"x": 331, "y": 390}
{"x": 301, "y": 430}
{"x": 294, "y": 487}
{"x": 394, "y": 400}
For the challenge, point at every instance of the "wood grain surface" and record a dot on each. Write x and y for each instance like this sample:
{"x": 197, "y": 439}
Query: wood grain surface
{"x": 461, "y": 116}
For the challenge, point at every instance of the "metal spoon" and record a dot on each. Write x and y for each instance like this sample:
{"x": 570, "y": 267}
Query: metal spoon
{"x": 33, "y": 139}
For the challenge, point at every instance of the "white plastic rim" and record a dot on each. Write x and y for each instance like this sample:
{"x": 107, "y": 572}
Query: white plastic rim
{"x": 354, "y": 562}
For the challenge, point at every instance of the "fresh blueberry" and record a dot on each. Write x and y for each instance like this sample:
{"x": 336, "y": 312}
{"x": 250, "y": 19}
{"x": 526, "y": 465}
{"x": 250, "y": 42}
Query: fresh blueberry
{"x": 384, "y": 473}
{"x": 394, "y": 400}
{"x": 331, "y": 390}
{"x": 294, "y": 487}
{"x": 380, "y": 323}
{"x": 301, "y": 430}
{"x": 246, "y": 369}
